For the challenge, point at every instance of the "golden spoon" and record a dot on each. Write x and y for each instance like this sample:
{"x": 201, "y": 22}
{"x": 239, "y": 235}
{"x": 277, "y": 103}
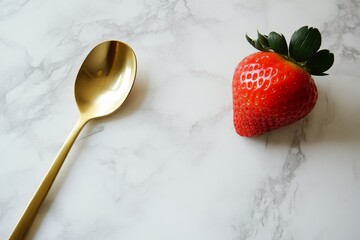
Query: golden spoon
{"x": 103, "y": 83}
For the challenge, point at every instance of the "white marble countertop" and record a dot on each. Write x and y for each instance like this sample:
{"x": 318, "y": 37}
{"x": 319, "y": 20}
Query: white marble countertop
{"x": 168, "y": 164}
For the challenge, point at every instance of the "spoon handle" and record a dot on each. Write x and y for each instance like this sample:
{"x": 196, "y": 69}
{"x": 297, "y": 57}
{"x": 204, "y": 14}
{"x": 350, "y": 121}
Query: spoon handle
{"x": 32, "y": 209}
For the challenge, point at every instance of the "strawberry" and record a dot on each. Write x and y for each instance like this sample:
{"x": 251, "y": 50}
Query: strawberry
{"x": 274, "y": 88}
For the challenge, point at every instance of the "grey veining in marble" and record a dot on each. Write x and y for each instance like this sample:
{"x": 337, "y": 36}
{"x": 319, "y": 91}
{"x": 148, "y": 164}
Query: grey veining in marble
{"x": 169, "y": 164}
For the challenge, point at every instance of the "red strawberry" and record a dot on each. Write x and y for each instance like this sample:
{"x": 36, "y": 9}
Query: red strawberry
{"x": 273, "y": 88}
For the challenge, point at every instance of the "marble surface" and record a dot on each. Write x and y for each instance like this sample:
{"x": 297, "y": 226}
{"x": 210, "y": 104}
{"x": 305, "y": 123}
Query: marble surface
{"x": 169, "y": 164}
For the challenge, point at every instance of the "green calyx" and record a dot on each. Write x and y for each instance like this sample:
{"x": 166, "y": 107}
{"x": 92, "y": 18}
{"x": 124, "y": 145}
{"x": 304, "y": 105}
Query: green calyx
{"x": 303, "y": 49}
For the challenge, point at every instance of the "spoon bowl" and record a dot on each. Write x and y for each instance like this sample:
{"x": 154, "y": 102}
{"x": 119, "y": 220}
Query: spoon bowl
{"x": 104, "y": 81}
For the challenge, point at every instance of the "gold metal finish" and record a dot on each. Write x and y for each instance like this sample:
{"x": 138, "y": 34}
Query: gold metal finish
{"x": 103, "y": 83}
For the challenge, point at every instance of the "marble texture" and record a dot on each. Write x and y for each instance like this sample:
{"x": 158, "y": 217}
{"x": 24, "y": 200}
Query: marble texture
{"x": 169, "y": 164}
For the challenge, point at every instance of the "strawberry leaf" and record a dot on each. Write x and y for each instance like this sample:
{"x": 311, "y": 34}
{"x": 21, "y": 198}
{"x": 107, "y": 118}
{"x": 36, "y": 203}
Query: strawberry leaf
{"x": 320, "y": 62}
{"x": 278, "y": 43}
{"x": 250, "y": 40}
{"x": 255, "y": 44}
{"x": 304, "y": 43}
{"x": 263, "y": 40}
